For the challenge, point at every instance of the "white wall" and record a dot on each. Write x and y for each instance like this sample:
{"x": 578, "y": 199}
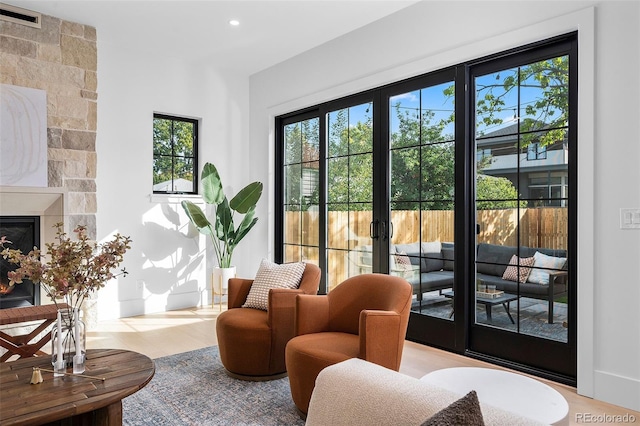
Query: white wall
{"x": 425, "y": 37}
{"x": 169, "y": 267}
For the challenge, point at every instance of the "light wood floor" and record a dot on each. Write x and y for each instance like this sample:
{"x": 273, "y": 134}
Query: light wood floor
{"x": 168, "y": 333}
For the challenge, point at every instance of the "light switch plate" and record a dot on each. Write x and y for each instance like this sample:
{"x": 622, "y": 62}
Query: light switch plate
{"x": 629, "y": 218}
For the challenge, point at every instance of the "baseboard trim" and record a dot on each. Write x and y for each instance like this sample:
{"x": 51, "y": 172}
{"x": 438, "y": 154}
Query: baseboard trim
{"x": 618, "y": 390}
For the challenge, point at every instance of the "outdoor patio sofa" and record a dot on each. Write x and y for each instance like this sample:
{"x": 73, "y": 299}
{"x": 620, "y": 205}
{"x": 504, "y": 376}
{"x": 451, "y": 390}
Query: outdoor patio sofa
{"x": 434, "y": 269}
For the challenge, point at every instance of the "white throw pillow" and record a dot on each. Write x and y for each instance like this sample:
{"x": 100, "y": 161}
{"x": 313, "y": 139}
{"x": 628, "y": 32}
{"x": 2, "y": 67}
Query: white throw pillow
{"x": 272, "y": 275}
{"x": 431, "y": 247}
{"x": 540, "y": 260}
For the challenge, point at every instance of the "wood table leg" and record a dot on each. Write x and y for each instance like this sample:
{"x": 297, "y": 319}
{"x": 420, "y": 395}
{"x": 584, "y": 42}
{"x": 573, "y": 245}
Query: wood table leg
{"x": 111, "y": 415}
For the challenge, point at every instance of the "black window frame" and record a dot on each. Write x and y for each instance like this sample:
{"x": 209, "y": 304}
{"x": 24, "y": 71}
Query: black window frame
{"x": 195, "y": 123}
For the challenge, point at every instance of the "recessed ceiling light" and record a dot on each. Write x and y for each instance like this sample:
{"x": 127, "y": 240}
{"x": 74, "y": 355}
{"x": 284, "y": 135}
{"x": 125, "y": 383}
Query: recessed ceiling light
{"x": 234, "y": 22}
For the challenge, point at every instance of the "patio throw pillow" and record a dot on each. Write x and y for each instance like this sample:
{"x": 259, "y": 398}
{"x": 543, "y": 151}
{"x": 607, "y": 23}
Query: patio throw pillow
{"x": 403, "y": 262}
{"x": 541, "y": 260}
{"x": 272, "y": 275}
{"x": 511, "y": 273}
{"x": 465, "y": 411}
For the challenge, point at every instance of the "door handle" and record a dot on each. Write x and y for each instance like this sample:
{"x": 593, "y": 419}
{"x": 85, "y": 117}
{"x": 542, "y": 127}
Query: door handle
{"x": 385, "y": 234}
{"x": 373, "y": 229}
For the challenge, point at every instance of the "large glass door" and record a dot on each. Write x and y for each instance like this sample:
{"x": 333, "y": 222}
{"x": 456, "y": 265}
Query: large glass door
{"x": 524, "y": 146}
{"x": 421, "y": 152}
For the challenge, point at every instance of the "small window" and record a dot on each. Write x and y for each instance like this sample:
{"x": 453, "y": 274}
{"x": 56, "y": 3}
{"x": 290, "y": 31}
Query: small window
{"x": 175, "y": 142}
{"x": 536, "y": 151}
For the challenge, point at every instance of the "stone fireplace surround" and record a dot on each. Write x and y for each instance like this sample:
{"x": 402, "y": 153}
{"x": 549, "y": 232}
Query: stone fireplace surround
{"x": 61, "y": 59}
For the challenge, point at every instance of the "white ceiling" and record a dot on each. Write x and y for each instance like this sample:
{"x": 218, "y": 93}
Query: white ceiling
{"x": 269, "y": 31}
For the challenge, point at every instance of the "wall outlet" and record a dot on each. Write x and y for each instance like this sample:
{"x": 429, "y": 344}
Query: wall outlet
{"x": 629, "y": 218}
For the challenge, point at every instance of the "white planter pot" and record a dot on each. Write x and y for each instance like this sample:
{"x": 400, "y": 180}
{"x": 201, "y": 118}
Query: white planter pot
{"x": 220, "y": 279}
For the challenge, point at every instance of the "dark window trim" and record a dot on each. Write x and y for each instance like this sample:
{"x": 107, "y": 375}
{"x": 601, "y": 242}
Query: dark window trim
{"x": 195, "y": 123}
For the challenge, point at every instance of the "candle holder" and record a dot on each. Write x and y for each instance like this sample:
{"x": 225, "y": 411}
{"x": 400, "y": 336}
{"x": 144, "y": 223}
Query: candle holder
{"x": 68, "y": 340}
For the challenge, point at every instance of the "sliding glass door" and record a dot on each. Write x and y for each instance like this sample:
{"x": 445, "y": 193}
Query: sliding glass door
{"x": 525, "y": 143}
{"x": 463, "y": 182}
{"x": 421, "y": 152}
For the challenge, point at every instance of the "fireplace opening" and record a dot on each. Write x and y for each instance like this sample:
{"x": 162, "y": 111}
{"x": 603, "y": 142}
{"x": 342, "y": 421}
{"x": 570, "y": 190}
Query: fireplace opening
{"x": 24, "y": 234}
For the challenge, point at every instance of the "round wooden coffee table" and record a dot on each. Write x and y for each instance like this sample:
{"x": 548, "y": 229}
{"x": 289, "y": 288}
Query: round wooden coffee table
{"x": 509, "y": 391}
{"x": 84, "y": 400}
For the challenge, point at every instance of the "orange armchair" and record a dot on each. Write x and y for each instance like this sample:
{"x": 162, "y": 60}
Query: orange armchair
{"x": 364, "y": 317}
{"x": 252, "y": 341}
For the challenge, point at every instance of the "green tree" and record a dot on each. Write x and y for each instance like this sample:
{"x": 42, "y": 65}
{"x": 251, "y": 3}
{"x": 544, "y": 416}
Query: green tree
{"x": 302, "y": 156}
{"x": 172, "y": 150}
{"x": 350, "y": 163}
{"x": 422, "y": 162}
{"x": 546, "y": 83}
{"x": 496, "y": 193}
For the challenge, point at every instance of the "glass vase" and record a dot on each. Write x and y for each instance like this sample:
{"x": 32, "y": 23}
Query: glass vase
{"x": 68, "y": 343}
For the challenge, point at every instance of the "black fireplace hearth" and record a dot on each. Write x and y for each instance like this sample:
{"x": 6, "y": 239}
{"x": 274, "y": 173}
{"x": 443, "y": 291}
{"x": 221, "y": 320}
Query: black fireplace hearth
{"x": 24, "y": 233}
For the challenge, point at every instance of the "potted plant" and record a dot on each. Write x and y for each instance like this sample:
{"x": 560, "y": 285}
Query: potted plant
{"x": 222, "y": 230}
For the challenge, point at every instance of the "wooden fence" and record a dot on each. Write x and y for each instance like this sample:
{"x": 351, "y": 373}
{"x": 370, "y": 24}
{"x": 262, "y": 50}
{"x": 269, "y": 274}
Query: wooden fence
{"x": 538, "y": 227}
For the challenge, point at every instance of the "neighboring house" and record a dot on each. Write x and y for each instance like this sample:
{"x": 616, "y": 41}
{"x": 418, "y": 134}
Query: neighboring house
{"x": 179, "y": 186}
{"x": 543, "y": 169}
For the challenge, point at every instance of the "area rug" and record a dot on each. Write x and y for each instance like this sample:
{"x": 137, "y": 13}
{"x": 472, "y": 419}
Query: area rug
{"x": 533, "y": 318}
{"x": 192, "y": 388}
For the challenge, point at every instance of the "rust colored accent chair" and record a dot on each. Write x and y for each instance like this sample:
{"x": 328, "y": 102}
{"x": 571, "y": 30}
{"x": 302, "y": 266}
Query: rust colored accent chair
{"x": 364, "y": 317}
{"x": 252, "y": 341}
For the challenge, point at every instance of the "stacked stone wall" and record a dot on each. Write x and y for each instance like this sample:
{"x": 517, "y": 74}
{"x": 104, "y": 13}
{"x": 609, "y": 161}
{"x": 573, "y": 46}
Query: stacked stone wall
{"x": 61, "y": 58}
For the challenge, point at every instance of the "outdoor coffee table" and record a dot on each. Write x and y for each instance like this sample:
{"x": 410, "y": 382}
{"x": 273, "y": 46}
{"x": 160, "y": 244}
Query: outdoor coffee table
{"x": 505, "y": 300}
{"x": 73, "y": 399}
{"x": 506, "y": 390}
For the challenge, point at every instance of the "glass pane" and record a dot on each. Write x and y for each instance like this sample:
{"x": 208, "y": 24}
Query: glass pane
{"x": 311, "y": 255}
{"x": 496, "y": 102}
{"x": 292, "y": 143}
{"x": 359, "y": 241}
{"x": 337, "y": 267}
{"x": 338, "y": 180}
{"x": 293, "y": 185}
{"x": 183, "y": 137}
{"x": 162, "y": 173}
{"x": 437, "y": 222}
{"x": 338, "y": 226}
{"x": 161, "y": 136}
{"x": 437, "y": 113}
{"x": 404, "y": 120}
{"x": 293, "y": 224}
{"x": 438, "y": 172}
{"x": 361, "y": 128}
{"x": 292, "y": 253}
{"x": 337, "y": 125}
{"x": 310, "y": 227}
{"x": 311, "y": 140}
{"x": 183, "y": 181}
{"x": 544, "y": 88}
{"x": 309, "y": 185}
{"x": 405, "y": 173}
{"x": 360, "y": 178}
